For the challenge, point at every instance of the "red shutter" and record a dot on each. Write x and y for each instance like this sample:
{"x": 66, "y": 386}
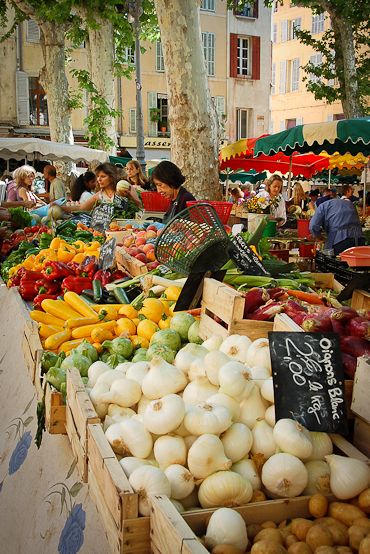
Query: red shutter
{"x": 256, "y": 54}
{"x": 255, "y": 9}
{"x": 233, "y": 55}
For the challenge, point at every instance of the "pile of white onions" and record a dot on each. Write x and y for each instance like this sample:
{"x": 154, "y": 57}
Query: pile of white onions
{"x": 200, "y": 430}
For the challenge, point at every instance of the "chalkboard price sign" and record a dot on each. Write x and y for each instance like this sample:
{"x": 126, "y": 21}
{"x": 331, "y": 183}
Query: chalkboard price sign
{"x": 245, "y": 258}
{"x": 101, "y": 217}
{"x": 308, "y": 380}
{"x": 107, "y": 253}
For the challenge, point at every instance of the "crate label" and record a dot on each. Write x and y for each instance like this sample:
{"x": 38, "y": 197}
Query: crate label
{"x": 102, "y": 216}
{"x": 308, "y": 380}
{"x": 107, "y": 253}
{"x": 245, "y": 258}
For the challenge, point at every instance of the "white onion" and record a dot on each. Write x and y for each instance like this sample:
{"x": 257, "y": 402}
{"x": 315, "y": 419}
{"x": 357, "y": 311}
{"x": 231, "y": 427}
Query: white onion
{"x": 348, "y": 476}
{"x": 284, "y": 475}
{"x": 259, "y": 354}
{"x": 318, "y": 477}
{"x": 291, "y": 437}
{"x": 247, "y": 469}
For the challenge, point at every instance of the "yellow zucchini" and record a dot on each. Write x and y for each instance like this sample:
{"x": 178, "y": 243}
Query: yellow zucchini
{"x": 48, "y": 319}
{"x": 98, "y": 307}
{"x": 59, "y": 308}
{"x": 78, "y": 304}
{"x": 69, "y": 345}
{"x": 85, "y": 331}
{"x": 54, "y": 341}
{"x": 99, "y": 334}
{"x": 80, "y": 322}
{"x": 46, "y": 331}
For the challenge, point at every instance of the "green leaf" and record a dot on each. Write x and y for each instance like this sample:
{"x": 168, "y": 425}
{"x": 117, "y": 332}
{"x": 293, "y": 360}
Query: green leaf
{"x": 62, "y": 499}
{"x": 28, "y": 405}
{"x": 75, "y": 489}
{"x": 28, "y": 421}
{"x": 72, "y": 468}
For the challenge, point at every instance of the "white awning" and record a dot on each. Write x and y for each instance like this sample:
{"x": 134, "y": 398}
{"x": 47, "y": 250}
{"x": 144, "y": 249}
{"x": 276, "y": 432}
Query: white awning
{"x": 38, "y": 149}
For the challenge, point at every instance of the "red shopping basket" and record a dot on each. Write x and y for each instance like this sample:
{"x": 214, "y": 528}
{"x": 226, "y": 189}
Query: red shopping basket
{"x": 155, "y": 202}
{"x": 222, "y": 209}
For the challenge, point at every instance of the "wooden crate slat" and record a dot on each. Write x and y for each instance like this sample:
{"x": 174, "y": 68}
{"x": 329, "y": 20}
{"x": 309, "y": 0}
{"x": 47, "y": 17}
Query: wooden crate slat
{"x": 361, "y": 436}
{"x": 347, "y": 448}
{"x": 223, "y": 301}
{"x": 78, "y": 448}
{"x": 360, "y": 300}
{"x": 80, "y": 404}
{"x": 55, "y": 412}
{"x": 208, "y": 327}
{"x": 253, "y": 329}
{"x": 361, "y": 387}
{"x": 130, "y": 264}
{"x": 282, "y": 322}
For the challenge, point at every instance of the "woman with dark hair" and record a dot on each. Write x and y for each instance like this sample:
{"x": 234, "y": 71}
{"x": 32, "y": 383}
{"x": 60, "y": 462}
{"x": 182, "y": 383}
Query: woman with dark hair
{"x": 82, "y": 187}
{"x": 168, "y": 179}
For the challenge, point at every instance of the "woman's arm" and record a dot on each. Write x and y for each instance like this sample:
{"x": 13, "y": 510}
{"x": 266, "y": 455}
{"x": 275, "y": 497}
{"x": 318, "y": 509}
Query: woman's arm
{"x": 86, "y": 206}
{"x": 135, "y": 197}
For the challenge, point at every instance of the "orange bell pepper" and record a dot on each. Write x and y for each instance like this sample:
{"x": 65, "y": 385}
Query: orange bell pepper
{"x": 66, "y": 253}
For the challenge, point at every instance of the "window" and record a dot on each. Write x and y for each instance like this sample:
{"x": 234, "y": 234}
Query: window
{"x": 159, "y": 60}
{"x": 208, "y": 40}
{"x": 208, "y": 5}
{"x": 33, "y": 31}
{"x": 38, "y": 103}
{"x": 315, "y": 60}
{"x": 282, "y": 83}
{"x": 250, "y": 9}
{"x": 284, "y": 30}
{"x": 132, "y": 122}
{"x": 274, "y": 33}
{"x": 338, "y": 116}
{"x": 295, "y": 24}
{"x": 290, "y": 123}
{"x": 273, "y": 78}
{"x": 295, "y": 75}
{"x": 244, "y": 55}
{"x": 130, "y": 55}
{"x": 317, "y": 23}
{"x": 242, "y": 123}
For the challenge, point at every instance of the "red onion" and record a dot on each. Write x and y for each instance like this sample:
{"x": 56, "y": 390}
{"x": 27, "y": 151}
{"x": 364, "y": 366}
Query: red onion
{"x": 255, "y": 298}
{"x": 319, "y": 322}
{"x": 349, "y": 364}
{"x": 355, "y": 346}
{"x": 358, "y": 327}
{"x": 267, "y": 312}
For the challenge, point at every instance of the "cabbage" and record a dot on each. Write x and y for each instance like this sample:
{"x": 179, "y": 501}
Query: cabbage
{"x": 140, "y": 355}
{"x": 182, "y": 323}
{"x": 193, "y": 335}
{"x": 88, "y": 350}
{"x": 80, "y": 362}
{"x": 167, "y": 337}
{"x": 120, "y": 346}
{"x": 160, "y": 351}
{"x": 113, "y": 360}
{"x": 55, "y": 212}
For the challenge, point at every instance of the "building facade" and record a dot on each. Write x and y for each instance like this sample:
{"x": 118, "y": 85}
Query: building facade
{"x": 237, "y": 50}
{"x": 291, "y": 103}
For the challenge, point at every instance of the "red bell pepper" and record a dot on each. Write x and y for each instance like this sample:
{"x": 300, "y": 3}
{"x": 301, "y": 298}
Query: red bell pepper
{"x": 29, "y": 275}
{"x": 76, "y": 284}
{"x": 44, "y": 286}
{"x": 27, "y": 289}
{"x": 118, "y": 274}
{"x": 56, "y": 270}
{"x": 103, "y": 276}
{"x": 88, "y": 267}
{"x": 16, "y": 279}
{"x": 40, "y": 297}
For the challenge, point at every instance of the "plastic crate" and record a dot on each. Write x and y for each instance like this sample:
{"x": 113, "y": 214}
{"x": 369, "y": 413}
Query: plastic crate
{"x": 342, "y": 273}
{"x": 154, "y": 202}
{"x": 223, "y": 209}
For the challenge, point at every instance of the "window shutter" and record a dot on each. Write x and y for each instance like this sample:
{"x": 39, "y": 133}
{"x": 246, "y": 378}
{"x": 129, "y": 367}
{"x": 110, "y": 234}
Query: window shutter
{"x": 23, "y": 100}
{"x": 233, "y": 55}
{"x": 282, "y": 84}
{"x": 33, "y": 31}
{"x": 255, "y": 9}
{"x": 330, "y": 117}
{"x": 152, "y": 125}
{"x": 132, "y": 120}
{"x": 256, "y": 55}
{"x": 284, "y": 30}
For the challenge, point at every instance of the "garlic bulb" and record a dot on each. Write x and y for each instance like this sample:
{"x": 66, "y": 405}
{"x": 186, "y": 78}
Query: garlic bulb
{"x": 170, "y": 449}
{"x": 130, "y": 463}
{"x": 213, "y": 361}
{"x": 234, "y": 379}
{"x": 237, "y": 441}
{"x": 321, "y": 446}
{"x": 252, "y": 408}
{"x": 116, "y": 410}
{"x": 221, "y": 399}
{"x": 137, "y": 371}
{"x": 284, "y": 475}
{"x": 348, "y": 476}
{"x": 161, "y": 379}
{"x": 205, "y": 418}
{"x": 291, "y": 437}
{"x": 129, "y": 437}
{"x": 148, "y": 480}
{"x": 318, "y": 477}
{"x": 259, "y": 375}
{"x": 236, "y": 347}
{"x": 267, "y": 390}
{"x": 224, "y": 488}
{"x": 213, "y": 343}
{"x": 164, "y": 415}
{"x": 270, "y": 415}
{"x": 259, "y": 354}
{"x": 184, "y": 360}
{"x": 198, "y": 391}
{"x": 263, "y": 439}
{"x": 181, "y": 481}
{"x": 206, "y": 455}
{"x": 247, "y": 469}
{"x": 123, "y": 392}
{"x": 226, "y": 526}
{"x": 197, "y": 369}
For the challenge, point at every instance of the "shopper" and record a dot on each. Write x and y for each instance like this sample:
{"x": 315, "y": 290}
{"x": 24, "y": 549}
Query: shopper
{"x": 169, "y": 180}
{"x": 56, "y": 189}
{"x": 135, "y": 175}
{"x": 83, "y": 188}
{"x": 273, "y": 193}
{"x": 328, "y": 194}
{"x": 341, "y": 222}
{"x": 299, "y": 197}
{"x": 23, "y": 193}
{"x": 237, "y": 196}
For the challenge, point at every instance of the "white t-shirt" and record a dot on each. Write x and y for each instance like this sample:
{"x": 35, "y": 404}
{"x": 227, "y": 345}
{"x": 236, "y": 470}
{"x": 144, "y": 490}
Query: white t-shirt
{"x": 86, "y": 195}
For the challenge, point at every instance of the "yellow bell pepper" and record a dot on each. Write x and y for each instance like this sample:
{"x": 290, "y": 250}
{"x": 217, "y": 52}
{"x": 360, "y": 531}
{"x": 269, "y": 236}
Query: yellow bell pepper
{"x": 52, "y": 257}
{"x": 29, "y": 262}
{"x": 94, "y": 245}
{"x": 55, "y": 243}
{"x": 66, "y": 253}
{"x": 93, "y": 253}
{"x": 79, "y": 258}
{"x": 14, "y": 269}
{"x": 79, "y": 245}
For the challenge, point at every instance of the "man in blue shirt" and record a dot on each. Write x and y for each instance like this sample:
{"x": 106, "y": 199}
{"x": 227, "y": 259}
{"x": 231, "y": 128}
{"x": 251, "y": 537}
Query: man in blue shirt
{"x": 328, "y": 194}
{"x": 341, "y": 222}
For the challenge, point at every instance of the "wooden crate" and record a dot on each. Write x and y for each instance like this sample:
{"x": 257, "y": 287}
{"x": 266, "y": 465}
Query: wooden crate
{"x": 361, "y": 435}
{"x": 227, "y": 305}
{"x": 55, "y": 412}
{"x": 31, "y": 344}
{"x": 131, "y": 265}
{"x": 114, "y": 497}
{"x": 360, "y": 300}
{"x": 361, "y": 387}
{"x": 79, "y": 414}
{"x": 327, "y": 281}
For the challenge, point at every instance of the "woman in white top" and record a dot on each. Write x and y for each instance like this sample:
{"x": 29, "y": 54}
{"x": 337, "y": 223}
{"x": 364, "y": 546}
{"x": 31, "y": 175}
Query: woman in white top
{"x": 83, "y": 187}
{"x": 274, "y": 187}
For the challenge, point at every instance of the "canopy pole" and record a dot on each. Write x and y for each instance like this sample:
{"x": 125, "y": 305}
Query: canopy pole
{"x": 290, "y": 175}
{"x": 227, "y": 184}
{"x": 364, "y": 198}
{"x": 329, "y": 179}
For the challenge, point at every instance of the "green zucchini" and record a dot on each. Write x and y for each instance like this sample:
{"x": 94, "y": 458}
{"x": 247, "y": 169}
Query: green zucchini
{"x": 121, "y": 296}
{"x": 98, "y": 290}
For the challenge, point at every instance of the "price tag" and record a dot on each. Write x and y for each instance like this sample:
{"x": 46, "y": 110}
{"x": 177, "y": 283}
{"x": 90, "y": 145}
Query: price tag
{"x": 245, "y": 258}
{"x": 308, "y": 380}
{"x": 101, "y": 217}
{"x": 107, "y": 253}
